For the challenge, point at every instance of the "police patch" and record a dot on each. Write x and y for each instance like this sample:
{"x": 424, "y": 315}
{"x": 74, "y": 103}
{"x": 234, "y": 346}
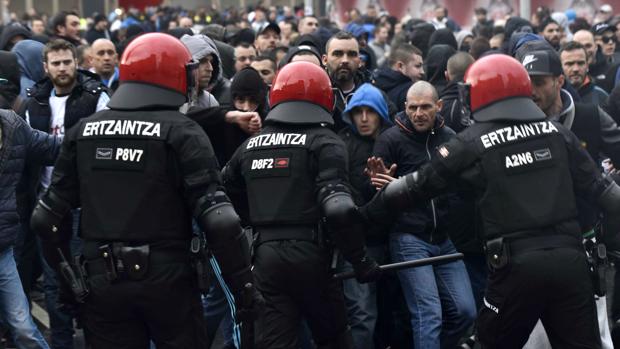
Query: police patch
{"x": 104, "y": 153}
{"x": 443, "y": 151}
{"x": 542, "y": 154}
{"x": 281, "y": 162}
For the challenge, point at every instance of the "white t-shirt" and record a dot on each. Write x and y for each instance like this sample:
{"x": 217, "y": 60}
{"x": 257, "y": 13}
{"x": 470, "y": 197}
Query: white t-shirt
{"x": 57, "y": 127}
{"x": 57, "y": 124}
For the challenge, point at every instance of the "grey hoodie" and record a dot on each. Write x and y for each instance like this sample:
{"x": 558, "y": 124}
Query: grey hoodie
{"x": 201, "y": 46}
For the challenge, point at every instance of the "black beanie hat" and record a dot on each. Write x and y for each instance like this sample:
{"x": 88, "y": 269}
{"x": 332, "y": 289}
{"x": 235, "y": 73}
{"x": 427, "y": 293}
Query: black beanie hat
{"x": 248, "y": 82}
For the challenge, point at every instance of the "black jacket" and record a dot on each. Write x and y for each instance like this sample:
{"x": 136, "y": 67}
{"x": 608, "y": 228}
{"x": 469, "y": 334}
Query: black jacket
{"x": 395, "y": 84}
{"x": 452, "y": 108}
{"x": 403, "y": 145}
{"x": 360, "y": 149}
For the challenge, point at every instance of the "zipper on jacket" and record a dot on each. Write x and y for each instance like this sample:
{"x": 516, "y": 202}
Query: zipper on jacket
{"x": 428, "y": 152}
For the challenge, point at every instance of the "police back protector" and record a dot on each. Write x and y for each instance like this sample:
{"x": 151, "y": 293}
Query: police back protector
{"x": 526, "y": 167}
{"x": 129, "y": 183}
{"x": 278, "y": 169}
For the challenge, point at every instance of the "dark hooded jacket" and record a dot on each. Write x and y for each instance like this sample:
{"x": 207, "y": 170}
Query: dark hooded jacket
{"x": 10, "y": 32}
{"x": 394, "y": 83}
{"x": 452, "y": 109}
{"x": 201, "y": 46}
{"x": 29, "y": 54}
{"x": 436, "y": 63}
{"x": 442, "y": 37}
{"x": 360, "y": 149}
{"x": 401, "y": 144}
{"x": 9, "y": 70}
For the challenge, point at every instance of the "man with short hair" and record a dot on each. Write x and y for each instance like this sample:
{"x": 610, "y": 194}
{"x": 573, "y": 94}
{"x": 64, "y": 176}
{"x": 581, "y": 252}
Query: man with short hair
{"x": 266, "y": 67}
{"x": 342, "y": 60}
{"x": 380, "y": 46}
{"x": 439, "y": 298}
{"x": 66, "y": 25}
{"x": 186, "y": 22}
{"x": 267, "y": 39}
{"x": 104, "y": 61}
{"x": 405, "y": 68}
{"x": 37, "y": 27}
{"x": 245, "y": 54}
{"x": 452, "y": 110}
{"x": 55, "y": 104}
{"x": 598, "y": 65}
{"x": 307, "y": 25}
{"x": 575, "y": 65}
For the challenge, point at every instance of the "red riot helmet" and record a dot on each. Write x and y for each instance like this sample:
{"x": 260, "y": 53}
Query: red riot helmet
{"x": 156, "y": 70}
{"x": 497, "y": 87}
{"x": 301, "y": 93}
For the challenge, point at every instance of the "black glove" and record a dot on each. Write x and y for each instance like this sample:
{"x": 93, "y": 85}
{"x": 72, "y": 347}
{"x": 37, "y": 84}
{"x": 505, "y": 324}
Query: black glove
{"x": 367, "y": 270}
{"x": 249, "y": 304}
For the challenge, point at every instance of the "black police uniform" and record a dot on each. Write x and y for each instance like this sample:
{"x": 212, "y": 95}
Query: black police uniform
{"x": 526, "y": 174}
{"x": 287, "y": 171}
{"x": 139, "y": 177}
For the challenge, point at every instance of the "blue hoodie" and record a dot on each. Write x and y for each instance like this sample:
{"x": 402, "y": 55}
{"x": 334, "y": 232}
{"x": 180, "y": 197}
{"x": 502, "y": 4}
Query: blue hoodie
{"x": 367, "y": 96}
{"x": 29, "y": 53}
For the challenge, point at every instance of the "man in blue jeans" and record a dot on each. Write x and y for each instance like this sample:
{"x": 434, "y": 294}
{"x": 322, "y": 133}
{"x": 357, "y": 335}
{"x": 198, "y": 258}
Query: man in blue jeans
{"x": 439, "y": 298}
{"x": 17, "y": 142}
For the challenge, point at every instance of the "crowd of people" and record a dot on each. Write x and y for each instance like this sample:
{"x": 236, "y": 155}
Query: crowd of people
{"x": 400, "y": 91}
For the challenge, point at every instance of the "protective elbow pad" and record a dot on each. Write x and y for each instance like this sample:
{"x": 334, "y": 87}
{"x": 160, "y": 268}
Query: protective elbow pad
{"x": 406, "y": 191}
{"x": 48, "y": 215}
{"x": 345, "y": 223}
{"x": 228, "y": 243}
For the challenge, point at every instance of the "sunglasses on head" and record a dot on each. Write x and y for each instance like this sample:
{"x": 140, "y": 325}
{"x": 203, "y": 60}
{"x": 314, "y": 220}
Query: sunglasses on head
{"x": 608, "y": 39}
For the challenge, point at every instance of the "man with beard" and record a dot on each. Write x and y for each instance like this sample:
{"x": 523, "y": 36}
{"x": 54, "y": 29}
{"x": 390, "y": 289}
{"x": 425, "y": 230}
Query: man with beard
{"x": 342, "y": 61}
{"x": 575, "y": 66}
{"x": 550, "y": 30}
{"x": 55, "y": 104}
{"x": 104, "y": 60}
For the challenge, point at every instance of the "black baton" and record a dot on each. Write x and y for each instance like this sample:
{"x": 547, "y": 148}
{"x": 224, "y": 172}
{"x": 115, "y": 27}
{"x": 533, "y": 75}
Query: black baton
{"x": 247, "y": 327}
{"x": 408, "y": 264}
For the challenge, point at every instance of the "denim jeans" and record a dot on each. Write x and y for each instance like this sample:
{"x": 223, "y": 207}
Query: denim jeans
{"x": 14, "y": 308}
{"x": 361, "y": 301}
{"x": 439, "y": 297}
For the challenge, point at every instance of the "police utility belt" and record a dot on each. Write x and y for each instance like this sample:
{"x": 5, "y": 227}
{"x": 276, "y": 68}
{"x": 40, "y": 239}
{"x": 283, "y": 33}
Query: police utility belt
{"x": 267, "y": 233}
{"x": 124, "y": 261}
{"x": 499, "y": 250}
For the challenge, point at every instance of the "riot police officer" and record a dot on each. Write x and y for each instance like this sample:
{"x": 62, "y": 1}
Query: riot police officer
{"x": 140, "y": 172}
{"x": 295, "y": 173}
{"x": 526, "y": 171}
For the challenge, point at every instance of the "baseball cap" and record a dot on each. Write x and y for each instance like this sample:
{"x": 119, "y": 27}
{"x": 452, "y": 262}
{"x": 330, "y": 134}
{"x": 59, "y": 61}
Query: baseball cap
{"x": 542, "y": 63}
{"x": 600, "y": 28}
{"x": 271, "y": 26}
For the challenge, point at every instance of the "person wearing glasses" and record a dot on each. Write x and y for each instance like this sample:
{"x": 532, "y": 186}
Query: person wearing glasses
{"x": 605, "y": 37}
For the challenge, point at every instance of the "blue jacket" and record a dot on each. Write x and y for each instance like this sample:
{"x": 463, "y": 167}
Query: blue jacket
{"x": 19, "y": 142}
{"x": 410, "y": 149}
